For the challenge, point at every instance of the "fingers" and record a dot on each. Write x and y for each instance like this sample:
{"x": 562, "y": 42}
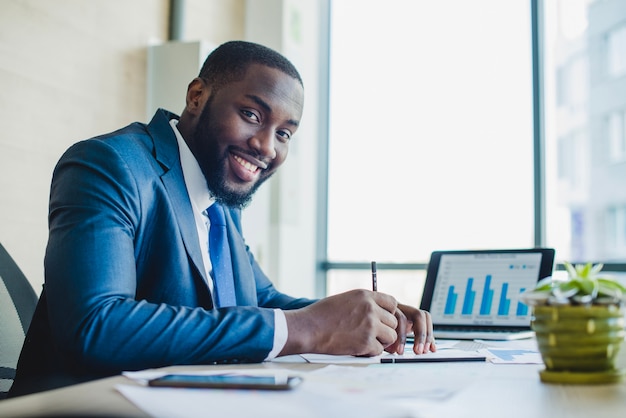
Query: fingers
{"x": 401, "y": 331}
{"x": 405, "y": 319}
{"x": 424, "y": 340}
{"x": 389, "y": 320}
{"x": 386, "y": 313}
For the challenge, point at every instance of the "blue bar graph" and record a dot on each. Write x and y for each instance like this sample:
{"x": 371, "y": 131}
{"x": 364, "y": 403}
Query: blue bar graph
{"x": 487, "y": 299}
{"x": 505, "y": 303}
{"x": 468, "y": 301}
{"x": 450, "y": 301}
{"x": 522, "y": 308}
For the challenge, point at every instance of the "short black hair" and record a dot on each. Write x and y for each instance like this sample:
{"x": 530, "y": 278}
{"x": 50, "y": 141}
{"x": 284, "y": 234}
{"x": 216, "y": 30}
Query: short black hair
{"x": 229, "y": 62}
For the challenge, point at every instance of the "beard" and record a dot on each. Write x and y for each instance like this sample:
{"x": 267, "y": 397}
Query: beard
{"x": 214, "y": 164}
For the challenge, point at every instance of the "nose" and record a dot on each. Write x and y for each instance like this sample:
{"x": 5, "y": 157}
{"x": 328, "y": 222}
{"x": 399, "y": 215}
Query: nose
{"x": 263, "y": 142}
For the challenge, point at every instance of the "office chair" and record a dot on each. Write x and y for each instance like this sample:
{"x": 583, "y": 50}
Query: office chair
{"x": 17, "y": 306}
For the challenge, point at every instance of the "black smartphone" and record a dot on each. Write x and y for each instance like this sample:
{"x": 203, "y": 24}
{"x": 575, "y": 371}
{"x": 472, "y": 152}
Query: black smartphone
{"x": 227, "y": 381}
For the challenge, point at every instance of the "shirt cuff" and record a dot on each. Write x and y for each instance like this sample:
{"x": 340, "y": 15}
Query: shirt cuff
{"x": 280, "y": 334}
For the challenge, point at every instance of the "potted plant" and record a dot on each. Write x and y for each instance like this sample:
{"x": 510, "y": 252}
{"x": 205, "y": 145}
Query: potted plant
{"x": 579, "y": 324}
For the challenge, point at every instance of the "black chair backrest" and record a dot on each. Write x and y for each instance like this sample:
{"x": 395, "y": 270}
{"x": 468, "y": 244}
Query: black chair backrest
{"x": 17, "y": 306}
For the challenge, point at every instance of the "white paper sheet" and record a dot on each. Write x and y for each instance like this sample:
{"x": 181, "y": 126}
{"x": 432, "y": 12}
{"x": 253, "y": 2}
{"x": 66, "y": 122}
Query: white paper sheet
{"x": 376, "y": 391}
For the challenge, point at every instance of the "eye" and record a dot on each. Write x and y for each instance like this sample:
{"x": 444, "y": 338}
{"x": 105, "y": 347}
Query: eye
{"x": 284, "y": 135}
{"x": 250, "y": 115}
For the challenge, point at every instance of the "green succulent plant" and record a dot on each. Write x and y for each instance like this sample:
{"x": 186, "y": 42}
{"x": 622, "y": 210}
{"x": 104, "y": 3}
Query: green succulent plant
{"x": 583, "y": 286}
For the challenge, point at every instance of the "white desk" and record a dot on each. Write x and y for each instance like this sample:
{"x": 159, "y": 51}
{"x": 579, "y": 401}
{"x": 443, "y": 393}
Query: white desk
{"x": 491, "y": 391}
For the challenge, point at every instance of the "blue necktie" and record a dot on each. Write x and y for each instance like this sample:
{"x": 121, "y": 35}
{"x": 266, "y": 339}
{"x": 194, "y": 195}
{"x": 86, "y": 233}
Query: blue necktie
{"x": 223, "y": 278}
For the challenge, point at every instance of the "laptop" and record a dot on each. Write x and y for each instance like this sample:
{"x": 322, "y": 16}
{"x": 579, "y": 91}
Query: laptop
{"x": 475, "y": 294}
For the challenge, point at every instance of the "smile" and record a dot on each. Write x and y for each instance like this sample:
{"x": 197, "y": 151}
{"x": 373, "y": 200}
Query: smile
{"x": 246, "y": 164}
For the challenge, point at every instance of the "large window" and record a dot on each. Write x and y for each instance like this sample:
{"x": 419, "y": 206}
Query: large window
{"x": 433, "y": 133}
{"x": 584, "y": 45}
{"x": 616, "y": 51}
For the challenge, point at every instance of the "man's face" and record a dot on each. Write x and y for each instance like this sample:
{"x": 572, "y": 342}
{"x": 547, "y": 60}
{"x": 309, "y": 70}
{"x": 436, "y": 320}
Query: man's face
{"x": 243, "y": 133}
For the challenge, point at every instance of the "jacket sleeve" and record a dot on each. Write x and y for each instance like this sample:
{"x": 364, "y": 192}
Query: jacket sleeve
{"x": 100, "y": 321}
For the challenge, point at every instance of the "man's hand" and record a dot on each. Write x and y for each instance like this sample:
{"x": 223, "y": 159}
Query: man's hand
{"x": 359, "y": 322}
{"x": 420, "y": 323}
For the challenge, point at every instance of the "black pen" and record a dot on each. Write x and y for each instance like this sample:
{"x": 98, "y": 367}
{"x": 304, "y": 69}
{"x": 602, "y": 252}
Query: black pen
{"x": 374, "y": 280}
{"x": 429, "y": 359}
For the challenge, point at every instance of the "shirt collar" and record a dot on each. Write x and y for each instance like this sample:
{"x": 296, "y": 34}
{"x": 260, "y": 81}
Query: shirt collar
{"x": 194, "y": 178}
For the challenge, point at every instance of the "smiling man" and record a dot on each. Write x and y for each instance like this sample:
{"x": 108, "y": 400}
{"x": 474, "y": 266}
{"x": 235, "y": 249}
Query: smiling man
{"x": 135, "y": 278}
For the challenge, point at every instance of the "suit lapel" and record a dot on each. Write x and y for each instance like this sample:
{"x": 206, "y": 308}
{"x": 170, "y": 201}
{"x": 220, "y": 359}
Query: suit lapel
{"x": 167, "y": 154}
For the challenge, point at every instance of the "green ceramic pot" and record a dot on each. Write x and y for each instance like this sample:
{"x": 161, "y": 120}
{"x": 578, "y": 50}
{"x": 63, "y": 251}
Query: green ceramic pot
{"x": 579, "y": 344}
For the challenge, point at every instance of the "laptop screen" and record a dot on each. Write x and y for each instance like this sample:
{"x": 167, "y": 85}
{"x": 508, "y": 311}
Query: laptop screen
{"x": 483, "y": 287}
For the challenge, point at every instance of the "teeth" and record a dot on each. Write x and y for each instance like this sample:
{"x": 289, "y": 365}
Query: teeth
{"x": 247, "y": 165}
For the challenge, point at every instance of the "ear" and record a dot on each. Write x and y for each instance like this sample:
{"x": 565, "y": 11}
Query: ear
{"x": 197, "y": 94}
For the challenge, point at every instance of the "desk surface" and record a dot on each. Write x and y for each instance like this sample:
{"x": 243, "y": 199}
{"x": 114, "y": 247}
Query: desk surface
{"x": 493, "y": 391}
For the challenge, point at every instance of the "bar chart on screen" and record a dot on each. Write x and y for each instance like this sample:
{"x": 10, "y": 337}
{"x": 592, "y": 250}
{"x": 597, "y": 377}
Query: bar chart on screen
{"x": 486, "y": 299}
{"x": 485, "y": 288}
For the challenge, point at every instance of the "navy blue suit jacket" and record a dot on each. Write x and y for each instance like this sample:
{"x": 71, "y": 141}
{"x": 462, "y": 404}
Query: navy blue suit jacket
{"x": 125, "y": 287}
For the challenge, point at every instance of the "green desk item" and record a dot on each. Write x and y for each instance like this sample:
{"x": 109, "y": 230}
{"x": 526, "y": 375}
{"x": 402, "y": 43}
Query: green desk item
{"x": 580, "y": 326}
{"x": 579, "y": 344}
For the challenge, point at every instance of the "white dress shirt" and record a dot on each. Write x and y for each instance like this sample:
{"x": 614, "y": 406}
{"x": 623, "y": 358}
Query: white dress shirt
{"x": 200, "y": 200}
